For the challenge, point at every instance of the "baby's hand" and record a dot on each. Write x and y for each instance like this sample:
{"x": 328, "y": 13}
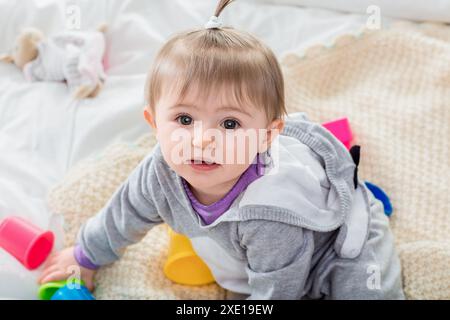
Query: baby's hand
{"x": 59, "y": 266}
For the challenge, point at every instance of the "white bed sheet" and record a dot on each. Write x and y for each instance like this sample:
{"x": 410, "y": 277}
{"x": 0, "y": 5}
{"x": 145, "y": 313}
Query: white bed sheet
{"x": 43, "y": 132}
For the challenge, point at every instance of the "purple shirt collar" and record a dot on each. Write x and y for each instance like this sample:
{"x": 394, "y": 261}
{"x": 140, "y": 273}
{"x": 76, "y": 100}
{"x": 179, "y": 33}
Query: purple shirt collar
{"x": 211, "y": 212}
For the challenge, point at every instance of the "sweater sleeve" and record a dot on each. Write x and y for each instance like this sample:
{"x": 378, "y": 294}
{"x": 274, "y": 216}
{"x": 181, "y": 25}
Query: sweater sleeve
{"x": 279, "y": 259}
{"x": 125, "y": 219}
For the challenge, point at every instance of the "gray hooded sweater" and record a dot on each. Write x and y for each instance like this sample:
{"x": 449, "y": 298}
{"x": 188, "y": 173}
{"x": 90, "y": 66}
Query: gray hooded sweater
{"x": 301, "y": 231}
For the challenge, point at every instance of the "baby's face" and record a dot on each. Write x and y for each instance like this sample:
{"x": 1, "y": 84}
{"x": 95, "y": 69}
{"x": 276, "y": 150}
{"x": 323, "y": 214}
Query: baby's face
{"x": 210, "y": 142}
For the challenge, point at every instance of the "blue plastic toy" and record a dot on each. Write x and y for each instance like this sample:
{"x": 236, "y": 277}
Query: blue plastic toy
{"x": 73, "y": 292}
{"x": 382, "y": 196}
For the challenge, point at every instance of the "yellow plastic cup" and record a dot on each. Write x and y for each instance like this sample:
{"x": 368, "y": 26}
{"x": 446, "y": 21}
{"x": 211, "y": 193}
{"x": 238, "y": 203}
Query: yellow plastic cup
{"x": 183, "y": 265}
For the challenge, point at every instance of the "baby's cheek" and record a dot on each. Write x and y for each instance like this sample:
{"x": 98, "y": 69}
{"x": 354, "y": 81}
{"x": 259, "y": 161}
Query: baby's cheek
{"x": 175, "y": 143}
{"x": 244, "y": 153}
{"x": 230, "y": 150}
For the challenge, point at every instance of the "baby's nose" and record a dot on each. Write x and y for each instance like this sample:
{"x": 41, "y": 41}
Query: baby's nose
{"x": 201, "y": 141}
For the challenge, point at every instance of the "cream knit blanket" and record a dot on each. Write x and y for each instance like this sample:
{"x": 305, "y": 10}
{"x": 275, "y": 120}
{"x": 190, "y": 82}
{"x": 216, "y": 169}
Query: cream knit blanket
{"x": 394, "y": 86}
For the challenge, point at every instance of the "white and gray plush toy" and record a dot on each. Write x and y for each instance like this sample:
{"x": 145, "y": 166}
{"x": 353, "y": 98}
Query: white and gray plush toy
{"x": 72, "y": 56}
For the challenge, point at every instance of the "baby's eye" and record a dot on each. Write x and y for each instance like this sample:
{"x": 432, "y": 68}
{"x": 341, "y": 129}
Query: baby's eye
{"x": 230, "y": 124}
{"x": 184, "y": 120}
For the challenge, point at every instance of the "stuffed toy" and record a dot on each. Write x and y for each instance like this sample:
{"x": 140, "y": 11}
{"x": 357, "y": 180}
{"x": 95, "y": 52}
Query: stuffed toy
{"x": 71, "y": 56}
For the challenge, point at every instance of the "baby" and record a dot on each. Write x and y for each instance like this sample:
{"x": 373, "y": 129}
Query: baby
{"x": 273, "y": 206}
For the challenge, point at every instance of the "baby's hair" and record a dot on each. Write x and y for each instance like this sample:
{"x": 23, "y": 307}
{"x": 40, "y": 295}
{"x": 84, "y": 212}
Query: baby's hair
{"x": 220, "y": 6}
{"x": 218, "y": 58}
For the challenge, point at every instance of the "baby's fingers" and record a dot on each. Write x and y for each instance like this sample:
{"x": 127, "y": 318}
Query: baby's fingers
{"x": 47, "y": 271}
{"x": 89, "y": 284}
{"x": 51, "y": 260}
{"x": 54, "y": 276}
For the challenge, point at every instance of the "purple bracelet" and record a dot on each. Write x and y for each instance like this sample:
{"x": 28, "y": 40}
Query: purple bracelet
{"x": 82, "y": 259}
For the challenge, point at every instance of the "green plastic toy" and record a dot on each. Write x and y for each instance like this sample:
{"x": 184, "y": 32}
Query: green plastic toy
{"x": 47, "y": 290}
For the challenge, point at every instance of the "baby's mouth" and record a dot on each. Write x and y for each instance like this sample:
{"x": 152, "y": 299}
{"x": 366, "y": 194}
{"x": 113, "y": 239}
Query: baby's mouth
{"x": 203, "y": 165}
{"x": 201, "y": 161}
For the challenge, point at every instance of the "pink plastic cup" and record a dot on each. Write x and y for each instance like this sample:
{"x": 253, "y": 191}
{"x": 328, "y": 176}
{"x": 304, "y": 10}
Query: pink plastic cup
{"x": 26, "y": 242}
{"x": 340, "y": 128}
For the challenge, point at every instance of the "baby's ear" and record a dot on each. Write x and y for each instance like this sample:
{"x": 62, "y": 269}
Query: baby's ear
{"x": 6, "y": 58}
{"x": 272, "y": 131}
{"x": 149, "y": 117}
